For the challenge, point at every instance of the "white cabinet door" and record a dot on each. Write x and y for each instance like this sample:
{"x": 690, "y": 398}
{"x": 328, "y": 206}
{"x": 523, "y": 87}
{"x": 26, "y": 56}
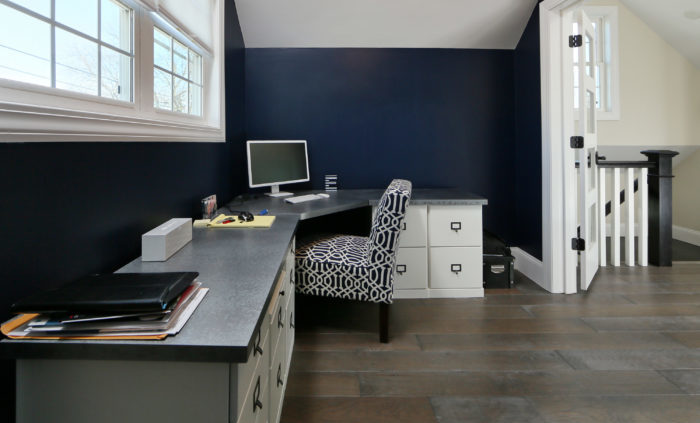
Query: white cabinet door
{"x": 411, "y": 269}
{"x": 414, "y": 230}
{"x": 456, "y": 267}
{"x": 454, "y": 226}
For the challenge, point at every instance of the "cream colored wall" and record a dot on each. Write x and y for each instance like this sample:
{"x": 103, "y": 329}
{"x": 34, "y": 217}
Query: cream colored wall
{"x": 659, "y": 89}
{"x": 686, "y": 193}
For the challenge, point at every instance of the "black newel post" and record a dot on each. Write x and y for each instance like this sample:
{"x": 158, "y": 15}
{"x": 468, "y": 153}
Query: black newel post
{"x": 660, "y": 206}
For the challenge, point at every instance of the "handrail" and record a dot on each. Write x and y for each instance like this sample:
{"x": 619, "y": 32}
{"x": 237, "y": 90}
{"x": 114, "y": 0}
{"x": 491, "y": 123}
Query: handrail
{"x": 601, "y": 161}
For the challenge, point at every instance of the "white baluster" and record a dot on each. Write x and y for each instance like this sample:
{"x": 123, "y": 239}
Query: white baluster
{"x": 602, "y": 242}
{"x": 644, "y": 218}
{"x": 629, "y": 236}
{"x": 615, "y": 236}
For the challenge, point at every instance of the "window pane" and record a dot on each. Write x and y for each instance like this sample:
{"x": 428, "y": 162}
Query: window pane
{"x": 195, "y": 67}
{"x": 180, "y": 101}
{"x": 76, "y": 63}
{"x": 180, "y": 59}
{"x": 42, "y": 7}
{"x": 116, "y": 75}
{"x": 116, "y": 25}
{"x": 25, "y": 48}
{"x": 195, "y": 100}
{"x": 162, "y": 55}
{"x": 162, "y": 89}
{"x": 78, "y": 14}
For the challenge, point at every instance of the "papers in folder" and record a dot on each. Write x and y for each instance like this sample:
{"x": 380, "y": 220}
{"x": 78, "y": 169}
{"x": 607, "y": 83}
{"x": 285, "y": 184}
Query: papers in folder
{"x": 131, "y": 326}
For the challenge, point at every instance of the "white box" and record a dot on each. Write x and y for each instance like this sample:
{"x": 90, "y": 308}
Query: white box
{"x": 160, "y": 243}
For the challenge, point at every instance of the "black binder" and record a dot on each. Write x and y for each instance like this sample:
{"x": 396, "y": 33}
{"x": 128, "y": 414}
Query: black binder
{"x": 110, "y": 293}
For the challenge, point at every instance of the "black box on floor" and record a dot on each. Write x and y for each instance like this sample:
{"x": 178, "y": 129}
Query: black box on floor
{"x": 498, "y": 271}
{"x": 498, "y": 263}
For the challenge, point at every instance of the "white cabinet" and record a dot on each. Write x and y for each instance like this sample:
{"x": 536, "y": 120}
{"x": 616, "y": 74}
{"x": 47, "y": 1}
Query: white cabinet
{"x": 440, "y": 252}
{"x": 262, "y": 400}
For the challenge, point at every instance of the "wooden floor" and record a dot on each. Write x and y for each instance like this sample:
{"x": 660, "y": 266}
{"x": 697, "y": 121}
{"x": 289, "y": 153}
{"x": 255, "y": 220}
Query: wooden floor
{"x": 626, "y": 351}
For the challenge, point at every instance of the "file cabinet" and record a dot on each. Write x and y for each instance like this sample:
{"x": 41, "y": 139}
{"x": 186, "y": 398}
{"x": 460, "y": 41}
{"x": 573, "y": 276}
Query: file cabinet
{"x": 440, "y": 252}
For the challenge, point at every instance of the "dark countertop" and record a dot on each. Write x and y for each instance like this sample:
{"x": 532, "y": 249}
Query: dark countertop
{"x": 349, "y": 199}
{"x": 240, "y": 267}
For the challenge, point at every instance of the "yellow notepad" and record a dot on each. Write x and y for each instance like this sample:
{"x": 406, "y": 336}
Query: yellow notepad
{"x": 257, "y": 222}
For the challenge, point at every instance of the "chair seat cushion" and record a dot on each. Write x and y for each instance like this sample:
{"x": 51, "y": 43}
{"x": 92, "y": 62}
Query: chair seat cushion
{"x": 336, "y": 266}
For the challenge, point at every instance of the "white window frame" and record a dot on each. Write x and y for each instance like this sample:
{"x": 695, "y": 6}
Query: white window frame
{"x": 34, "y": 113}
{"x": 610, "y": 15}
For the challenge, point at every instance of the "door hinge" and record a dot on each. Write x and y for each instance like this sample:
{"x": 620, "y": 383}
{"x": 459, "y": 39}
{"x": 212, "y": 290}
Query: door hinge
{"x": 576, "y": 141}
{"x": 578, "y": 244}
{"x": 575, "y": 41}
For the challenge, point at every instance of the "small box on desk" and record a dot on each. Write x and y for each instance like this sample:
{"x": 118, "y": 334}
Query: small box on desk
{"x": 160, "y": 243}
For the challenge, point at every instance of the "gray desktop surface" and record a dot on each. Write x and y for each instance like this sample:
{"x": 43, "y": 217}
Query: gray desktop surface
{"x": 239, "y": 266}
{"x": 343, "y": 200}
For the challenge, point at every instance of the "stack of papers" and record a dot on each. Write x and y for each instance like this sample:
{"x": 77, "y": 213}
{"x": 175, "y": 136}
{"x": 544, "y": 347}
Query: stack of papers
{"x": 114, "y": 322}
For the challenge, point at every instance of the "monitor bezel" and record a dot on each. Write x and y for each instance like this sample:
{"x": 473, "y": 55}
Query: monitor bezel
{"x": 269, "y": 184}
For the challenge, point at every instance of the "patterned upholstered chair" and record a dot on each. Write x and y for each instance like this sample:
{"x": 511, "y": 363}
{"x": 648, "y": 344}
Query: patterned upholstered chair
{"x": 354, "y": 267}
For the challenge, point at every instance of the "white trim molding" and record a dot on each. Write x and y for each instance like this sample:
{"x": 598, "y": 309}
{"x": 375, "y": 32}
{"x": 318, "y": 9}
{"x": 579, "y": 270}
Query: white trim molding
{"x": 529, "y": 266}
{"x": 691, "y": 236}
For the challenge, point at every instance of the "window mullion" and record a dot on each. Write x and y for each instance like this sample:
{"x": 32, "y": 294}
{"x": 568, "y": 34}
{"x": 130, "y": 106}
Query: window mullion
{"x": 99, "y": 48}
{"x": 53, "y": 43}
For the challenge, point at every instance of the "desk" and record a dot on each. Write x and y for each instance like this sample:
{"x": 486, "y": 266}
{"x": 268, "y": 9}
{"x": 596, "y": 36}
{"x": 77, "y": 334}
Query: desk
{"x": 196, "y": 375}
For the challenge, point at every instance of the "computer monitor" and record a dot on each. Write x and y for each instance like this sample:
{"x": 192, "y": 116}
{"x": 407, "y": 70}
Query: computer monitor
{"x": 273, "y": 163}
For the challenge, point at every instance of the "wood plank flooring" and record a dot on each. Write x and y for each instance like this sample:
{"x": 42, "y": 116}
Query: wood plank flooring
{"x": 626, "y": 351}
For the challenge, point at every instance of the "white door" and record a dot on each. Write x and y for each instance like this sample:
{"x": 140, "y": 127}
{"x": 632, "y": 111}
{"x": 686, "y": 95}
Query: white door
{"x": 584, "y": 75}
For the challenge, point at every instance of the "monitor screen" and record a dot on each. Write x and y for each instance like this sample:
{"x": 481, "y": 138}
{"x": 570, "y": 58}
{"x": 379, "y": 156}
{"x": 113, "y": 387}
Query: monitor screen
{"x": 277, "y": 162}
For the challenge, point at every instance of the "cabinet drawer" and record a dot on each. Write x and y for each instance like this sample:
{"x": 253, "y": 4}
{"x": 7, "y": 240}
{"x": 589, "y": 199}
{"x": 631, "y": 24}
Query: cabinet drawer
{"x": 277, "y": 381}
{"x": 259, "y": 357}
{"x": 411, "y": 268}
{"x": 454, "y": 226}
{"x": 278, "y": 323}
{"x": 414, "y": 229}
{"x": 290, "y": 327}
{"x": 256, "y": 406}
{"x": 456, "y": 267}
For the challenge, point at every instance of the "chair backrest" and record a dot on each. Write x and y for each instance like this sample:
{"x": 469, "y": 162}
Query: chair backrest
{"x": 386, "y": 226}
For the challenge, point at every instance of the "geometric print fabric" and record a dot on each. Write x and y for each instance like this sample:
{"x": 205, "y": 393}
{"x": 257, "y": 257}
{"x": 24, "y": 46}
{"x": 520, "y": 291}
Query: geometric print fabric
{"x": 354, "y": 267}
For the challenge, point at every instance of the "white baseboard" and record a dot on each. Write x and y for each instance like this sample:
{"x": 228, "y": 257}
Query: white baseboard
{"x": 529, "y": 266}
{"x": 690, "y": 236}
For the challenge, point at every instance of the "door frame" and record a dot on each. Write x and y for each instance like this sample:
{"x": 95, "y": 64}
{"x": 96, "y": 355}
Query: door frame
{"x": 558, "y": 203}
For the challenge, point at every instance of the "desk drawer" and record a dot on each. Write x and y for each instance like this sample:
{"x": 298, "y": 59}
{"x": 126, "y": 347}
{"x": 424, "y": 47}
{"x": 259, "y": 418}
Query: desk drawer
{"x": 290, "y": 327}
{"x": 456, "y": 267}
{"x": 257, "y": 404}
{"x": 411, "y": 268}
{"x": 278, "y": 380}
{"x": 454, "y": 226}
{"x": 258, "y": 357}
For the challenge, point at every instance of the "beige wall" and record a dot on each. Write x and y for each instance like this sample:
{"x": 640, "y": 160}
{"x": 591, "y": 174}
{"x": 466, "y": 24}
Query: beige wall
{"x": 686, "y": 193}
{"x": 659, "y": 89}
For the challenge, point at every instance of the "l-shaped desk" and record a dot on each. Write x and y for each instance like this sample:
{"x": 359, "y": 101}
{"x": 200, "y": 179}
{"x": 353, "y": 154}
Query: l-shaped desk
{"x": 233, "y": 355}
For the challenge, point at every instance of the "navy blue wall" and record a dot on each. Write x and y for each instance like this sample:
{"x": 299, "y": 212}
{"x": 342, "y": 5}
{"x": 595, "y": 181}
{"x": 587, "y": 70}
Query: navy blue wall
{"x": 69, "y": 209}
{"x": 528, "y": 137}
{"x": 438, "y": 117}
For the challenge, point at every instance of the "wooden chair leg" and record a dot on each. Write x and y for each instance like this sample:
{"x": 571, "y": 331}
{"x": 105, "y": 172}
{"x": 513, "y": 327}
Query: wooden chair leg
{"x": 383, "y": 323}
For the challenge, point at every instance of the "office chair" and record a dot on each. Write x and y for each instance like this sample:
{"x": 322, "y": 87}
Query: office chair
{"x": 354, "y": 267}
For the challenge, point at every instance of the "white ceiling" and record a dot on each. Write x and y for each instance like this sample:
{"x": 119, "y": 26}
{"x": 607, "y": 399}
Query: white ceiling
{"x": 667, "y": 18}
{"x": 485, "y": 24}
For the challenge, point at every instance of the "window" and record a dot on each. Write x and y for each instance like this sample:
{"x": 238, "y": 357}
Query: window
{"x": 111, "y": 70}
{"x": 605, "y": 64}
{"x": 177, "y": 75}
{"x": 82, "y": 46}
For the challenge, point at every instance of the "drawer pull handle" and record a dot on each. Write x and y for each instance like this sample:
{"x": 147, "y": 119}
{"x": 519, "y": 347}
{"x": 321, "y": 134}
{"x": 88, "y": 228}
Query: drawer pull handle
{"x": 282, "y": 292}
{"x": 456, "y": 226}
{"x": 403, "y": 226}
{"x": 456, "y": 268}
{"x": 280, "y": 382}
{"x": 280, "y": 322}
{"x": 256, "y": 397}
{"x": 258, "y": 349}
{"x": 400, "y": 269}
{"x": 291, "y": 320}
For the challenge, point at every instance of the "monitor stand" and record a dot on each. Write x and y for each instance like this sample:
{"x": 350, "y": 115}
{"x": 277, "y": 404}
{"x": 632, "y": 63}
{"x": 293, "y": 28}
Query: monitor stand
{"x": 275, "y": 192}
